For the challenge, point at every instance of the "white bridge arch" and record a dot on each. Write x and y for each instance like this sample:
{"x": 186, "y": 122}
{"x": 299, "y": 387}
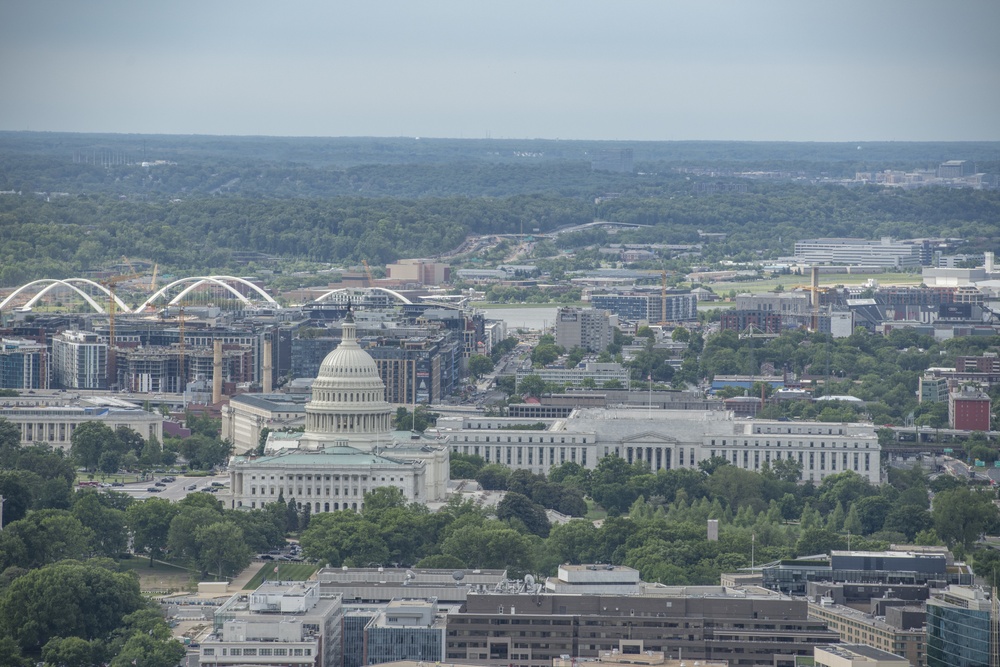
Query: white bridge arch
{"x": 53, "y": 283}
{"x": 198, "y": 281}
{"x": 394, "y": 294}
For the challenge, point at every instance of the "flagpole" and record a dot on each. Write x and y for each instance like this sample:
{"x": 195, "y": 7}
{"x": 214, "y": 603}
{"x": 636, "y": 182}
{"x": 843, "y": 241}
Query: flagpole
{"x": 650, "y": 378}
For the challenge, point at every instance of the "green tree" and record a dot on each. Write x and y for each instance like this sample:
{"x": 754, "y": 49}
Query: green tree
{"x": 531, "y": 385}
{"x": 43, "y": 537}
{"x": 962, "y": 516}
{"x": 68, "y": 652}
{"x": 490, "y": 546}
{"x": 221, "y": 548}
{"x": 10, "y": 654}
{"x": 146, "y": 650}
{"x": 479, "y": 365}
{"x": 494, "y": 476}
{"x": 67, "y": 599}
{"x": 106, "y": 523}
{"x": 149, "y": 522}
{"x": 518, "y": 506}
{"x": 151, "y": 454}
{"x": 89, "y": 440}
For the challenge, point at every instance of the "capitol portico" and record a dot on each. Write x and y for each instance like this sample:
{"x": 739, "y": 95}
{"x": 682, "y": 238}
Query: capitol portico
{"x": 348, "y": 447}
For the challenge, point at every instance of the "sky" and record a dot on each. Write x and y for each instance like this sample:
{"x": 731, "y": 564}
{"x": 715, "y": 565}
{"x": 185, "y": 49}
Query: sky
{"x": 759, "y": 70}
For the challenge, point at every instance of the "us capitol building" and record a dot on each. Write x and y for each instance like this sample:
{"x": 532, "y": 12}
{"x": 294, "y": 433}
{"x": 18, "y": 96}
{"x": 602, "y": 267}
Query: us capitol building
{"x": 348, "y": 447}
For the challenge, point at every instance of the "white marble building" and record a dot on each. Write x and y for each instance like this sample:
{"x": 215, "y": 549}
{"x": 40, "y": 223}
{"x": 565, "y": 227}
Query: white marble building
{"x": 347, "y": 448}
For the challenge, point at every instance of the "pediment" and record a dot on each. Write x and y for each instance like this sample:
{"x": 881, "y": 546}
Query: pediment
{"x": 650, "y": 438}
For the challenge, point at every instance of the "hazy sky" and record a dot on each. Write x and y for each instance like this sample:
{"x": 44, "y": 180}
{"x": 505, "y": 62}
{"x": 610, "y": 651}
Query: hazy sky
{"x": 801, "y": 70}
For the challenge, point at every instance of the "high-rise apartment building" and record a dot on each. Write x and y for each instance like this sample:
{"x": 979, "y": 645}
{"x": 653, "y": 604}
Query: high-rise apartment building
{"x": 587, "y": 328}
{"x": 23, "y": 364}
{"x": 79, "y": 360}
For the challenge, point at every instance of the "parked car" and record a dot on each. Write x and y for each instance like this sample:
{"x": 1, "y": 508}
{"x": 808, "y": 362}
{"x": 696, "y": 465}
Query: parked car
{"x": 117, "y": 484}
{"x": 192, "y": 487}
{"x": 159, "y": 484}
{"x": 154, "y": 489}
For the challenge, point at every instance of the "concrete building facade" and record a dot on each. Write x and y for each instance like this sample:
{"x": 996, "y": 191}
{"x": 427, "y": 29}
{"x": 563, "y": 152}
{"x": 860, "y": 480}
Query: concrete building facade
{"x": 532, "y": 628}
{"x": 587, "y": 328}
{"x": 279, "y": 623}
{"x": 79, "y": 360}
{"x": 666, "y": 439}
{"x": 347, "y": 448}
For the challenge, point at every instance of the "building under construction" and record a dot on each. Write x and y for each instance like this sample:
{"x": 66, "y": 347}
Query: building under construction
{"x": 168, "y": 369}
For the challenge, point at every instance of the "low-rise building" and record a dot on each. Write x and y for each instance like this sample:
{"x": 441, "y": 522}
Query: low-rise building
{"x": 245, "y": 417}
{"x": 532, "y": 625}
{"x": 279, "y": 623}
{"x": 406, "y": 630}
{"x": 600, "y": 373}
{"x": 856, "y": 655}
{"x": 857, "y": 627}
{"x": 52, "y": 422}
{"x": 369, "y": 585}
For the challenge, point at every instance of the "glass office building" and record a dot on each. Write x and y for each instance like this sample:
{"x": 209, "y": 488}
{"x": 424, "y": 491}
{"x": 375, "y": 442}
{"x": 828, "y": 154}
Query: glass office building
{"x": 958, "y": 628}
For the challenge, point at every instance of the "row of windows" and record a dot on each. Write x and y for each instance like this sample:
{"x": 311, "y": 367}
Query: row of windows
{"x": 262, "y": 651}
{"x": 530, "y": 439}
{"x": 807, "y": 464}
{"x": 314, "y": 507}
{"x": 508, "y": 455}
{"x": 778, "y": 443}
{"x": 309, "y": 491}
{"x": 309, "y": 478}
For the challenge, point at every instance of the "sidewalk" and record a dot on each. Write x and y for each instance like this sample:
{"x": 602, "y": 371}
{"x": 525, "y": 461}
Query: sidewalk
{"x": 245, "y": 576}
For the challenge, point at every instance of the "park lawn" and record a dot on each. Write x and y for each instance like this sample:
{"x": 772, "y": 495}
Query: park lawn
{"x": 825, "y": 280}
{"x": 594, "y": 511}
{"x": 286, "y": 572}
{"x": 161, "y": 577}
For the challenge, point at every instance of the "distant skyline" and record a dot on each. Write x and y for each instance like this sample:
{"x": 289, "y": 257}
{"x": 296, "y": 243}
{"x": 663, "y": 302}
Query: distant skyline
{"x": 766, "y": 70}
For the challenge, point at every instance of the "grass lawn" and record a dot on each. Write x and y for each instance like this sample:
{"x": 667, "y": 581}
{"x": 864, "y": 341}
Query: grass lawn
{"x": 595, "y": 511}
{"x": 162, "y": 577}
{"x": 825, "y": 280}
{"x": 286, "y": 572}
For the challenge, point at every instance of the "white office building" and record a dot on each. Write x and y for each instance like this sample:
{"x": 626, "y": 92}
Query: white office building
{"x": 884, "y": 252}
{"x": 665, "y": 439}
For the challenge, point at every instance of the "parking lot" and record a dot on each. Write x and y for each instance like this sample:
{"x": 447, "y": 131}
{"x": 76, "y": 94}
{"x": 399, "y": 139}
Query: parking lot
{"x": 174, "y": 490}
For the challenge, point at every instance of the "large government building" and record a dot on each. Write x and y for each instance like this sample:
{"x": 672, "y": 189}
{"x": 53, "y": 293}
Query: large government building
{"x": 348, "y": 447}
{"x": 664, "y": 439}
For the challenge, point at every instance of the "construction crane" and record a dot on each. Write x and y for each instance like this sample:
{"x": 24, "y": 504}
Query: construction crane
{"x": 182, "y": 374}
{"x": 663, "y": 298}
{"x": 111, "y": 284}
{"x": 368, "y": 272}
{"x": 152, "y": 282}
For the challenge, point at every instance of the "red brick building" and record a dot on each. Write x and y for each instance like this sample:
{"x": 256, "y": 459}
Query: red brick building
{"x": 969, "y": 409}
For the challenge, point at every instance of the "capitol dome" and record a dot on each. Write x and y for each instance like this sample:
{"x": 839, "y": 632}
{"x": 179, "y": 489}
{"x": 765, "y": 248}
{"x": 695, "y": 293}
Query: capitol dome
{"x": 348, "y": 403}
